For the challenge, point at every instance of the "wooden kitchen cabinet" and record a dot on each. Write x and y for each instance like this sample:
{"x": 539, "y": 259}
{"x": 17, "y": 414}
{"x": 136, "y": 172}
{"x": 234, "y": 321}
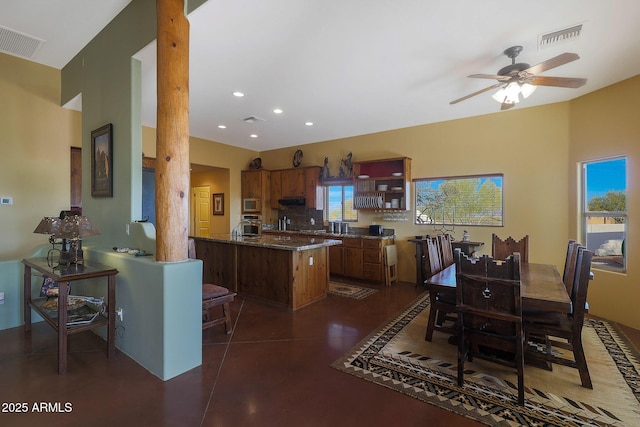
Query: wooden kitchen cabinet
{"x": 336, "y": 260}
{"x": 276, "y": 188}
{"x": 299, "y": 182}
{"x": 359, "y": 258}
{"x": 292, "y": 183}
{"x": 313, "y": 188}
{"x": 353, "y": 265}
{"x": 256, "y": 184}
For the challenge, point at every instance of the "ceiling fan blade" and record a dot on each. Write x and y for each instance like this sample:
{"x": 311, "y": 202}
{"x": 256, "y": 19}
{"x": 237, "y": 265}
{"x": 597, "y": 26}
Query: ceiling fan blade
{"x": 477, "y": 93}
{"x": 490, "y": 76}
{"x": 554, "y": 62}
{"x": 572, "y": 82}
{"x": 506, "y": 106}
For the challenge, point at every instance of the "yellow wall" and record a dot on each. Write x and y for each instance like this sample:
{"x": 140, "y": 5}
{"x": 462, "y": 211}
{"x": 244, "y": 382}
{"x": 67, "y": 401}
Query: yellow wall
{"x": 605, "y": 124}
{"x": 35, "y": 136}
{"x": 529, "y": 146}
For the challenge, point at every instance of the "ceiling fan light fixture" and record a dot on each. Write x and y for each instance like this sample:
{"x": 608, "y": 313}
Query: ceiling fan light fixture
{"x": 527, "y": 89}
{"x": 508, "y": 94}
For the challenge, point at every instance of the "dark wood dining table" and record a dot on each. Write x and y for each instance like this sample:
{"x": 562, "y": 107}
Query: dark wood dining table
{"x": 541, "y": 286}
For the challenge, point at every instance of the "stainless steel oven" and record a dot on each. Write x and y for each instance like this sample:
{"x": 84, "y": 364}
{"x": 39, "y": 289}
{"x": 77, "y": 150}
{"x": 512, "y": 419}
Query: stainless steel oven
{"x": 251, "y": 224}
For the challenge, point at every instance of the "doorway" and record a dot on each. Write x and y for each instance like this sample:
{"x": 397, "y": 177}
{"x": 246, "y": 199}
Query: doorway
{"x": 201, "y": 206}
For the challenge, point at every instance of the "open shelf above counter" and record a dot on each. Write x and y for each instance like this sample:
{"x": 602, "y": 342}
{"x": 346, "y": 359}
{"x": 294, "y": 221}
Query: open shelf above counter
{"x": 382, "y": 184}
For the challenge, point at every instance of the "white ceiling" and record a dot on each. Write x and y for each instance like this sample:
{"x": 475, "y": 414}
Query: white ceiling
{"x": 351, "y": 67}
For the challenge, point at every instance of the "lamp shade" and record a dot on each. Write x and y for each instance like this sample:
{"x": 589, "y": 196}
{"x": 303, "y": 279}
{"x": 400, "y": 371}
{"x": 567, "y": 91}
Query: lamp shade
{"x": 48, "y": 225}
{"x": 76, "y": 227}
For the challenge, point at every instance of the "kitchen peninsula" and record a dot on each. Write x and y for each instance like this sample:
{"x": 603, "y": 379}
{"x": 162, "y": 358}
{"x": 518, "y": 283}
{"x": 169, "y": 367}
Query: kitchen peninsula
{"x": 288, "y": 271}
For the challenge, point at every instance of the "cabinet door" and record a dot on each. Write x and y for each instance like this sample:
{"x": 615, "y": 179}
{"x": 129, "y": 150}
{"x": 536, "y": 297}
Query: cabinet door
{"x": 251, "y": 184}
{"x": 353, "y": 266}
{"x": 293, "y": 183}
{"x": 336, "y": 260}
{"x": 313, "y": 188}
{"x": 276, "y": 188}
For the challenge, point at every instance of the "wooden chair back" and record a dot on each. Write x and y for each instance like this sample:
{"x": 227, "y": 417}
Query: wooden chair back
{"x": 580, "y": 287}
{"x": 489, "y": 307}
{"x": 501, "y": 249}
{"x": 570, "y": 263}
{"x": 444, "y": 249}
{"x": 432, "y": 264}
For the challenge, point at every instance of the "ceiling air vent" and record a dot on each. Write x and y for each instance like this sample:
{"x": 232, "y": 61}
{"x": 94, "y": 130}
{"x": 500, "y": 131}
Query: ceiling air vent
{"x": 252, "y": 119}
{"x": 555, "y": 37}
{"x": 19, "y": 44}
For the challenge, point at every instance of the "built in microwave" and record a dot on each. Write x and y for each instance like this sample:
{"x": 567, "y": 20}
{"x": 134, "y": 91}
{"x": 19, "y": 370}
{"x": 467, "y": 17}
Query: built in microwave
{"x": 251, "y": 205}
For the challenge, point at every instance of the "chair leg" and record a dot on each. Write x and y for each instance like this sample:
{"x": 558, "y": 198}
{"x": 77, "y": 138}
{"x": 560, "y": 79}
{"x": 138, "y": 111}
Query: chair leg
{"x": 581, "y": 362}
{"x": 432, "y": 319}
{"x": 227, "y": 318}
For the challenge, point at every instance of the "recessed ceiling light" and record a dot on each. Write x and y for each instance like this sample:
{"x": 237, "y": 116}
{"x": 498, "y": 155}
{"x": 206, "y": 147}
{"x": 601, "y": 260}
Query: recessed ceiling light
{"x": 238, "y": 94}
{"x": 308, "y": 123}
{"x": 277, "y": 111}
{"x": 222, "y": 126}
{"x": 253, "y": 135}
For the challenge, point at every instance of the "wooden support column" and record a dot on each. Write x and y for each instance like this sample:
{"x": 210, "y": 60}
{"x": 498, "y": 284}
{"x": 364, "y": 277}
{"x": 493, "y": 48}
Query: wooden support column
{"x": 172, "y": 143}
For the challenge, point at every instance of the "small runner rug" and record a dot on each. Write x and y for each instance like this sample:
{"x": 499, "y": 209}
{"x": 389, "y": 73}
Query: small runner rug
{"x": 397, "y": 356}
{"x": 350, "y": 291}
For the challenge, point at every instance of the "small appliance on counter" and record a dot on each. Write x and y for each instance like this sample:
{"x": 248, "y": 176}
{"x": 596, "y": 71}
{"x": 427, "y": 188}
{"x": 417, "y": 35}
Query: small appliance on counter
{"x": 376, "y": 230}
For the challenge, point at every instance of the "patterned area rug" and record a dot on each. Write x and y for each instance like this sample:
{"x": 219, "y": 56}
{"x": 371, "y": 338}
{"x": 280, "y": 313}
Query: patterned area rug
{"x": 398, "y": 357}
{"x": 350, "y": 291}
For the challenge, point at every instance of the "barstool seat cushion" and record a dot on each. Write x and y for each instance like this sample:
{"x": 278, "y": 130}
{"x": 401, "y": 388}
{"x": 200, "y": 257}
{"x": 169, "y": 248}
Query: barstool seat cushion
{"x": 213, "y": 291}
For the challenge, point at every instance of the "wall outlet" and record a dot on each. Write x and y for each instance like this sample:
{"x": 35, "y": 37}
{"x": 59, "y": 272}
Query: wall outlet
{"x": 6, "y": 200}
{"x": 310, "y": 260}
{"x": 119, "y": 313}
{"x": 126, "y": 229}
{"x": 1, "y": 297}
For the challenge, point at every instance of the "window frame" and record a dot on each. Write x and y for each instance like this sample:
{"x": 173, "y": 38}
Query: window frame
{"x": 586, "y": 214}
{"x": 327, "y": 205}
{"x": 452, "y": 221}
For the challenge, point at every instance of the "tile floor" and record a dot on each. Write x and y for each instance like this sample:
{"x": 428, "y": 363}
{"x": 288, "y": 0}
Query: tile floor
{"x": 272, "y": 371}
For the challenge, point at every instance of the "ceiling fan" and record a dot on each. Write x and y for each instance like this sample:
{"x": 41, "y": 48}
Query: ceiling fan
{"x": 520, "y": 79}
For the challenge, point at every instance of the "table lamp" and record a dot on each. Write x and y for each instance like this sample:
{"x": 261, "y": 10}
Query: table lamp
{"x": 69, "y": 226}
{"x": 74, "y": 228}
{"x": 49, "y": 225}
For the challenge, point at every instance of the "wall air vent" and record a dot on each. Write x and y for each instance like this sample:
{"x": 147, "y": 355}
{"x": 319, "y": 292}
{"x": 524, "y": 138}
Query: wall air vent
{"x": 19, "y": 44}
{"x": 556, "y": 37}
{"x": 252, "y": 119}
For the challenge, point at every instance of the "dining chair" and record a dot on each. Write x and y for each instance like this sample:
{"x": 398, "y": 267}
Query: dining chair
{"x": 570, "y": 265}
{"x": 444, "y": 249}
{"x": 563, "y": 331}
{"x": 489, "y": 306}
{"x": 442, "y": 307}
{"x": 501, "y": 249}
{"x": 213, "y": 296}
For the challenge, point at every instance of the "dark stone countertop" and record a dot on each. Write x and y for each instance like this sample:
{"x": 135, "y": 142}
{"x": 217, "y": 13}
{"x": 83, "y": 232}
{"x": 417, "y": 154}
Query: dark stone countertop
{"x": 326, "y": 235}
{"x": 289, "y": 243}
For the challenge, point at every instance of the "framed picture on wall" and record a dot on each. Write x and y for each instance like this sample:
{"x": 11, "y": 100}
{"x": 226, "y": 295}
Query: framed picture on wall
{"x": 102, "y": 161}
{"x": 218, "y": 204}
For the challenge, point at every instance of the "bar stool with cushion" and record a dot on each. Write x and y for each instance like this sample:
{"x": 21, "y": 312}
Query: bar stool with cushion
{"x": 214, "y": 296}
{"x": 390, "y": 264}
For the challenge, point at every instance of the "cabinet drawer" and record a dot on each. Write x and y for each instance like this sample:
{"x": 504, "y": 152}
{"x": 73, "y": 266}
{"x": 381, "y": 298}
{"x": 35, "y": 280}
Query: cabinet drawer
{"x": 352, "y": 243}
{"x": 371, "y": 243}
{"x": 372, "y": 256}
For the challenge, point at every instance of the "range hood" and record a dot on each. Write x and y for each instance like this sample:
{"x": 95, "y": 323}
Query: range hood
{"x": 292, "y": 201}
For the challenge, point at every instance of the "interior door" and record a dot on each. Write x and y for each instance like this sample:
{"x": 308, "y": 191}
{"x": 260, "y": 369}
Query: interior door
{"x": 201, "y": 208}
